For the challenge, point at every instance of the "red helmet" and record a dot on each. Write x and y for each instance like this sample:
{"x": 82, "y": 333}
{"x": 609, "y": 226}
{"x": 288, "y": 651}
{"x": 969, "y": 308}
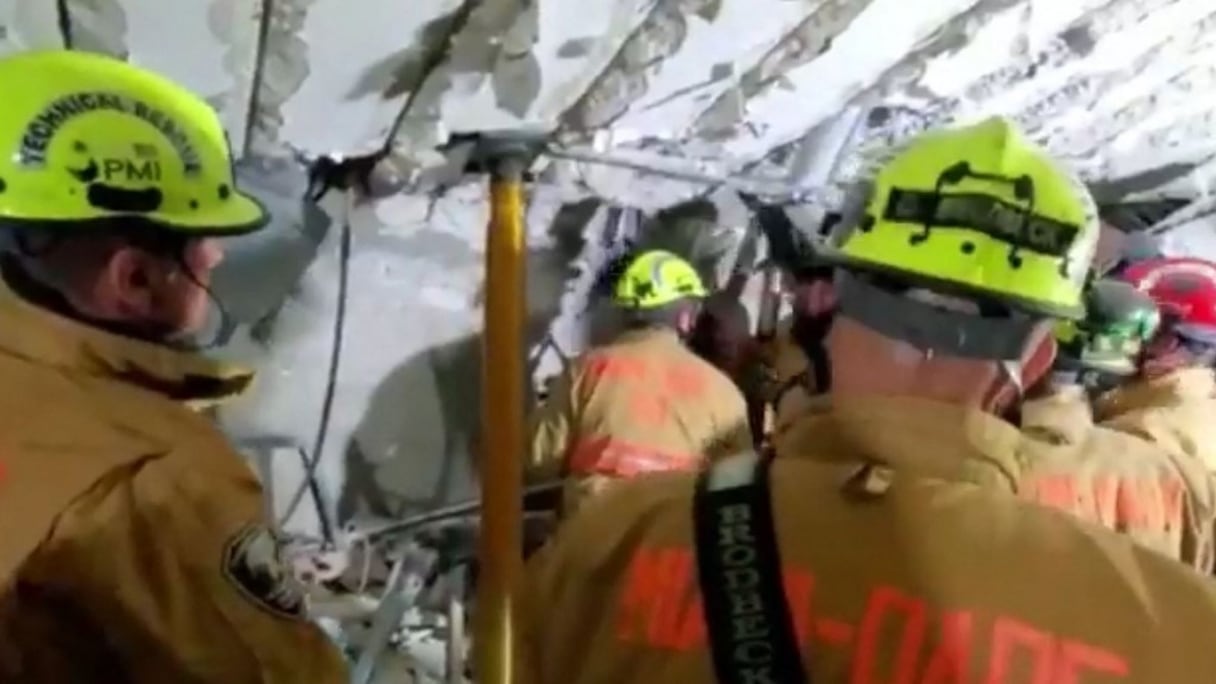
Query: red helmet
{"x": 1185, "y": 292}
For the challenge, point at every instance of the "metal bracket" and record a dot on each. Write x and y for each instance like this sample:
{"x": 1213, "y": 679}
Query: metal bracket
{"x": 505, "y": 153}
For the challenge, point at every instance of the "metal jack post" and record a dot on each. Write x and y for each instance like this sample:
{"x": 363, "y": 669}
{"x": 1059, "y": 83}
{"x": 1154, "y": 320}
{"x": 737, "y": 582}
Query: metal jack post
{"x": 506, "y": 157}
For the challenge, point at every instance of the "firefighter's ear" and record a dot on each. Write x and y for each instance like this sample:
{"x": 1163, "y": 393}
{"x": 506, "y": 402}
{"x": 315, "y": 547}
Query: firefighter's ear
{"x": 686, "y": 319}
{"x": 126, "y": 286}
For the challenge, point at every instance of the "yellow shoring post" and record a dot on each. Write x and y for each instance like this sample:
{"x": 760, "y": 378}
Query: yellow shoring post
{"x": 503, "y": 422}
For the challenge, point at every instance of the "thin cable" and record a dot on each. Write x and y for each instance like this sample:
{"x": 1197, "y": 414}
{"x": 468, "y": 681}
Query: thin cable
{"x": 331, "y": 385}
{"x": 64, "y": 19}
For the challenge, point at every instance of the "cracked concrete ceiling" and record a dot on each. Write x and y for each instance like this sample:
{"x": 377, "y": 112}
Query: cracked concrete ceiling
{"x": 793, "y": 93}
{"x": 1117, "y": 87}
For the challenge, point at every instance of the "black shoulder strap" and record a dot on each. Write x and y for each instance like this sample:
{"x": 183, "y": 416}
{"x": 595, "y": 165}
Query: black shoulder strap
{"x": 820, "y": 368}
{"x": 751, "y": 632}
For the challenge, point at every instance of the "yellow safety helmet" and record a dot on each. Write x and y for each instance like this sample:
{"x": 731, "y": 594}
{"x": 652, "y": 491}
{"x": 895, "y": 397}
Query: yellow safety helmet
{"x": 657, "y": 278}
{"x": 90, "y": 140}
{"x": 980, "y": 211}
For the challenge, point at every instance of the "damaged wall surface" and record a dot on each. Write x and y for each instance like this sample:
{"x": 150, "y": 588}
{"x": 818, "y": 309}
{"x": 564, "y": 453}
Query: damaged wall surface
{"x": 799, "y": 97}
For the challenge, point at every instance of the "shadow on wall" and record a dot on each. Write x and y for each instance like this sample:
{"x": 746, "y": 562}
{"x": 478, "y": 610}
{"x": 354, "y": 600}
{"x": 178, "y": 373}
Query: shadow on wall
{"x": 385, "y": 446}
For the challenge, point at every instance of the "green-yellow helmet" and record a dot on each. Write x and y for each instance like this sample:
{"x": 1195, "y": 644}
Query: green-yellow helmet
{"x": 981, "y": 211}
{"x": 90, "y": 140}
{"x": 657, "y": 278}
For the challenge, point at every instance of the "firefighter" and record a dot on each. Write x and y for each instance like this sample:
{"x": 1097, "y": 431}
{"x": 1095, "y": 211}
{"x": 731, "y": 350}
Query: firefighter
{"x": 797, "y": 372}
{"x": 1173, "y": 400}
{"x": 788, "y": 363}
{"x": 1100, "y": 352}
{"x": 1094, "y": 356}
{"x": 1121, "y": 481}
{"x": 891, "y": 543}
{"x": 133, "y": 546}
{"x": 643, "y": 403}
{"x": 722, "y": 332}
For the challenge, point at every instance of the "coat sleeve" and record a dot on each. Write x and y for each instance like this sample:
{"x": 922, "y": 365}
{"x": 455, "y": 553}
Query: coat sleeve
{"x": 187, "y": 582}
{"x": 734, "y": 435}
{"x": 552, "y": 424}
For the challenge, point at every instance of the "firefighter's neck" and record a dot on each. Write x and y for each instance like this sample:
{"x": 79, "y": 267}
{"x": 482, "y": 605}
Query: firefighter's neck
{"x": 865, "y": 363}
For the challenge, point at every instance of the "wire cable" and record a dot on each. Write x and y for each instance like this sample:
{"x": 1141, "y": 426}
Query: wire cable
{"x": 331, "y": 384}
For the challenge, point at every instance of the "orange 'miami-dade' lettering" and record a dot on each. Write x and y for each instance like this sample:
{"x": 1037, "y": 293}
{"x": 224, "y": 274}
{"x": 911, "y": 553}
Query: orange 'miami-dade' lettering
{"x": 898, "y": 638}
{"x": 656, "y": 383}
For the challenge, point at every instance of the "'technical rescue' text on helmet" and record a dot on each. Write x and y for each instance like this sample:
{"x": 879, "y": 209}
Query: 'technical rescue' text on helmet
{"x": 655, "y": 279}
{"x": 1185, "y": 292}
{"x": 979, "y": 211}
{"x": 93, "y": 141}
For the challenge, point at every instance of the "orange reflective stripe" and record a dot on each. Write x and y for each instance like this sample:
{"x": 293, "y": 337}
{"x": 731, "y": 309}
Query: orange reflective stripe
{"x": 618, "y": 458}
{"x": 1105, "y": 490}
{"x": 1174, "y": 494}
{"x": 1056, "y": 491}
{"x": 901, "y": 638}
{"x": 587, "y": 455}
{"x": 1135, "y": 504}
{"x": 1131, "y": 511}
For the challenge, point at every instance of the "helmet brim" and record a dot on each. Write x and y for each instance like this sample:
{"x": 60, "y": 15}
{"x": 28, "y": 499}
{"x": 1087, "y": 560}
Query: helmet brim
{"x": 830, "y": 255}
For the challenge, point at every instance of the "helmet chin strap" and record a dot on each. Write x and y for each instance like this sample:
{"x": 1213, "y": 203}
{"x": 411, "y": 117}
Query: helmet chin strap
{"x": 1009, "y": 381}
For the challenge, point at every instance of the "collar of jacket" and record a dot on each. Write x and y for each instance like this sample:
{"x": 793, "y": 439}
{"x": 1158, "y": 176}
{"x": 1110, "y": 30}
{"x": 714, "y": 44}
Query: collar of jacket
{"x": 933, "y": 438}
{"x": 1171, "y": 388}
{"x": 1062, "y": 416}
{"x": 47, "y": 338}
{"x": 656, "y": 333}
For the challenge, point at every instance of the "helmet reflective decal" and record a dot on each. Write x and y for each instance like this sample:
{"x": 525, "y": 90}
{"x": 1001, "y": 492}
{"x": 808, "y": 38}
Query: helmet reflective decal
{"x": 42, "y": 129}
{"x": 986, "y": 214}
{"x": 979, "y": 211}
{"x": 656, "y": 278}
{"x": 95, "y": 139}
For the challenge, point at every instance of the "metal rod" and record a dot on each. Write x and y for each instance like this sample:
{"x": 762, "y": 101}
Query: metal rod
{"x": 444, "y": 513}
{"x": 386, "y": 620}
{"x": 501, "y": 544}
{"x": 454, "y": 662}
{"x": 743, "y": 183}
